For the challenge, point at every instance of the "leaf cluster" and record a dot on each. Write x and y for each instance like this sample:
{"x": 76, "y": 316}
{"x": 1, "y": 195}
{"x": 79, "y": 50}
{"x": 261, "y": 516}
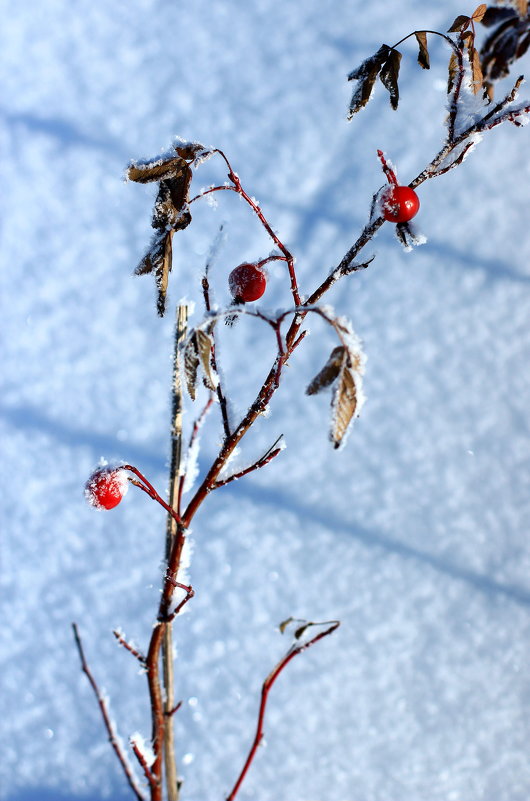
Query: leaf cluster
{"x": 343, "y": 370}
{"x": 384, "y": 65}
{"x": 508, "y": 41}
{"x": 172, "y": 171}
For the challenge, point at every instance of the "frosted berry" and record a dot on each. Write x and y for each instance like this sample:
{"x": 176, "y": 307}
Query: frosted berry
{"x": 106, "y": 487}
{"x": 399, "y": 204}
{"x": 247, "y": 282}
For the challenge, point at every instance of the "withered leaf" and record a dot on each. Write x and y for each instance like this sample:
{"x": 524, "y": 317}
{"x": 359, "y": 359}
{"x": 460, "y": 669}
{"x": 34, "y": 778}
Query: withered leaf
{"x": 499, "y": 50}
{"x": 285, "y": 623}
{"x": 389, "y": 76}
{"x": 366, "y": 74}
{"x": 476, "y": 71}
{"x": 191, "y": 363}
{"x": 171, "y": 205}
{"x": 300, "y": 631}
{"x": 479, "y": 12}
{"x": 190, "y": 150}
{"x": 329, "y": 372}
{"x": 344, "y": 404}
{"x": 423, "y": 55}
{"x": 204, "y": 347}
{"x": 495, "y": 15}
{"x": 158, "y": 260}
{"x": 453, "y": 72}
{"x": 155, "y": 170}
{"x": 460, "y": 22}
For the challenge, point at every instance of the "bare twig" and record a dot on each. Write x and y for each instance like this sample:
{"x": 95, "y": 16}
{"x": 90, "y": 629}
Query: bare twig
{"x": 128, "y": 647}
{"x": 262, "y": 461}
{"x": 141, "y": 759}
{"x": 296, "y": 649}
{"x": 113, "y": 737}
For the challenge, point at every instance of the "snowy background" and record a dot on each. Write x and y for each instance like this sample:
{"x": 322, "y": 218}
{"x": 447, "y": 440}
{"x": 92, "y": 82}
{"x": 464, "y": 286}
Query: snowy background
{"x": 414, "y": 535}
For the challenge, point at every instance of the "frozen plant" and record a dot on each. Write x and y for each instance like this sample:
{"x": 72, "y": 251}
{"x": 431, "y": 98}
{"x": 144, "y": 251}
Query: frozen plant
{"x": 472, "y": 112}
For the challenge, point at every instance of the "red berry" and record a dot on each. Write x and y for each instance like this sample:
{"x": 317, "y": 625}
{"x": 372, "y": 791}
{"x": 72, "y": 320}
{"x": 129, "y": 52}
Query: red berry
{"x": 106, "y": 487}
{"x": 399, "y": 204}
{"x": 247, "y": 282}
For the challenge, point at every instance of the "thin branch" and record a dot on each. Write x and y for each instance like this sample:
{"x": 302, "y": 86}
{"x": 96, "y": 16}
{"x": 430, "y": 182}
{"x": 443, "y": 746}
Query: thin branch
{"x": 223, "y": 403}
{"x": 141, "y": 759}
{"x": 266, "y": 687}
{"x": 174, "y": 709}
{"x": 113, "y": 738}
{"x": 175, "y": 477}
{"x": 128, "y": 647}
{"x": 261, "y": 462}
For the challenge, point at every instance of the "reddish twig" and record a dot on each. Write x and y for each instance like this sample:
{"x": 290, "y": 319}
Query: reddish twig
{"x": 266, "y": 688}
{"x": 197, "y": 425}
{"x": 141, "y": 759}
{"x": 128, "y": 647}
{"x": 190, "y": 592}
{"x": 237, "y": 187}
{"x": 174, "y": 709}
{"x": 148, "y": 488}
{"x": 265, "y": 459}
{"x": 113, "y": 738}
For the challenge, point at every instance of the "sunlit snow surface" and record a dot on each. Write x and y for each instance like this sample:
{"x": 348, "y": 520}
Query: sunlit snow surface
{"x": 415, "y": 535}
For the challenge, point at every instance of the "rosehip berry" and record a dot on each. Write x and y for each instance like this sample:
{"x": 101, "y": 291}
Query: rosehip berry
{"x": 106, "y": 487}
{"x": 247, "y": 282}
{"x": 399, "y": 204}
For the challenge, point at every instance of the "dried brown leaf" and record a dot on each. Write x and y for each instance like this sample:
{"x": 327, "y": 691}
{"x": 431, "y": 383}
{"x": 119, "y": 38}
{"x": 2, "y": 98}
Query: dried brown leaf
{"x": 453, "y": 72}
{"x": 389, "y": 76}
{"x": 171, "y": 205}
{"x": 285, "y": 623}
{"x": 476, "y": 72}
{"x": 499, "y": 50}
{"x": 344, "y": 404}
{"x": 366, "y": 74}
{"x": 191, "y": 363}
{"x": 158, "y": 260}
{"x": 479, "y": 12}
{"x": 329, "y": 372}
{"x": 162, "y": 274}
{"x": 460, "y": 22}
{"x": 300, "y": 631}
{"x": 423, "y": 55}
{"x": 204, "y": 347}
{"x": 155, "y": 170}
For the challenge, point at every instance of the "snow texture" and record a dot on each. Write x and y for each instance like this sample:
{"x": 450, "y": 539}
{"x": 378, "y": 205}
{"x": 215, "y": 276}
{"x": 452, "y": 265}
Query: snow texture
{"x": 414, "y": 535}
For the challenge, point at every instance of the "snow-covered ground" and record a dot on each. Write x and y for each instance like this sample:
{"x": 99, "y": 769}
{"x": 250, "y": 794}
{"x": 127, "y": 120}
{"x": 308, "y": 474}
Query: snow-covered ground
{"x": 415, "y": 535}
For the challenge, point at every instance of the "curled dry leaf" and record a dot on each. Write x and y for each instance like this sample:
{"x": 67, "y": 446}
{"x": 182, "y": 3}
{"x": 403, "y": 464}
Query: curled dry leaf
{"x": 344, "y": 403}
{"x": 366, "y": 74}
{"x": 144, "y": 172}
{"x": 198, "y": 350}
{"x": 423, "y": 54}
{"x": 344, "y": 370}
{"x": 158, "y": 260}
{"x": 459, "y": 24}
{"x": 389, "y": 76}
{"x": 204, "y": 346}
{"x": 479, "y": 12}
{"x": 329, "y": 372}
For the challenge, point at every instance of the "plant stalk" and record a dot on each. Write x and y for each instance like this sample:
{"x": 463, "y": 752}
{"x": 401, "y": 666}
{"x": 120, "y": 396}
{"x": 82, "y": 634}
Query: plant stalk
{"x": 172, "y": 780}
